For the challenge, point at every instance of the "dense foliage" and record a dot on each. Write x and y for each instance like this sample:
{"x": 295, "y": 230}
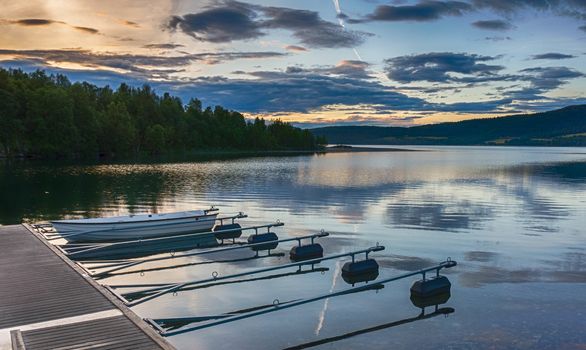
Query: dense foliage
{"x": 562, "y": 127}
{"x": 48, "y": 116}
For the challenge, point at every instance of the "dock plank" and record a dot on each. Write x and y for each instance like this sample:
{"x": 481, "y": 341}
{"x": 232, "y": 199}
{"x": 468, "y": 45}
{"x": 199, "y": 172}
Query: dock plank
{"x": 51, "y": 301}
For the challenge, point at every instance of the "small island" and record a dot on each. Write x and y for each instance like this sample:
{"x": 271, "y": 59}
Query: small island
{"x": 342, "y": 148}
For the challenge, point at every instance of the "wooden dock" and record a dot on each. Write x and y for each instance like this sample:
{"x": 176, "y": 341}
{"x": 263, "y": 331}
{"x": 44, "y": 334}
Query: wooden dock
{"x": 47, "y": 302}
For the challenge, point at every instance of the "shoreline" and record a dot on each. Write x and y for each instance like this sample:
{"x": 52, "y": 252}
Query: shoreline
{"x": 207, "y": 154}
{"x": 354, "y": 149}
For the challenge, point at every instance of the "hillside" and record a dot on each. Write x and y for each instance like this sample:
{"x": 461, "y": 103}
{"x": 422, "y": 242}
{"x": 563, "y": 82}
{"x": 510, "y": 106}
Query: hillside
{"x": 562, "y": 127}
{"x": 47, "y": 116}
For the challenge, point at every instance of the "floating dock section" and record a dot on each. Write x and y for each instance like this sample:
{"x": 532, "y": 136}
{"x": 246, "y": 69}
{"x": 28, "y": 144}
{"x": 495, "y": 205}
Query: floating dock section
{"x": 48, "y": 302}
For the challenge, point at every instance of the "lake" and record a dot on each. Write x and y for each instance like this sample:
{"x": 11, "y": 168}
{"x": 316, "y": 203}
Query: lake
{"x": 513, "y": 218}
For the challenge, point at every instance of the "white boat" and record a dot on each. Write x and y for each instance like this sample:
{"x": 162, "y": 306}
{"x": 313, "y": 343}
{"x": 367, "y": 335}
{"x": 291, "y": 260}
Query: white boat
{"x": 136, "y": 226}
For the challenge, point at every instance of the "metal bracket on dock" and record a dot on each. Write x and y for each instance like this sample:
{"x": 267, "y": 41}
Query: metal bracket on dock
{"x": 122, "y": 265}
{"x": 446, "y": 264}
{"x": 165, "y": 288}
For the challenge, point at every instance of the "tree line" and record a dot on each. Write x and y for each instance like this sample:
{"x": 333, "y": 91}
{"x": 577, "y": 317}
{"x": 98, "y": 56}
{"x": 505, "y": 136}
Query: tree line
{"x": 47, "y": 116}
{"x": 561, "y": 127}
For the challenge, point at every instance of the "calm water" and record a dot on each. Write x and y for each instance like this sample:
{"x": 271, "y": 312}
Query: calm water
{"x": 513, "y": 218}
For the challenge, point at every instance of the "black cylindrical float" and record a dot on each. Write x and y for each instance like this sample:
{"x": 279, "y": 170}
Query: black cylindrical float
{"x": 268, "y": 237}
{"x": 360, "y": 271}
{"x": 219, "y": 234}
{"x": 423, "y": 302}
{"x": 431, "y": 286}
{"x": 306, "y": 252}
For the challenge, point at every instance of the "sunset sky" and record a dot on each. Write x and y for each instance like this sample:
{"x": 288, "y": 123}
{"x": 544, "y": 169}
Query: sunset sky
{"x": 316, "y": 62}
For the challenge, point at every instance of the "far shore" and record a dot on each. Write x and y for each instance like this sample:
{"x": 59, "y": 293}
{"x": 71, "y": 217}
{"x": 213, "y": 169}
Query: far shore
{"x": 349, "y": 149}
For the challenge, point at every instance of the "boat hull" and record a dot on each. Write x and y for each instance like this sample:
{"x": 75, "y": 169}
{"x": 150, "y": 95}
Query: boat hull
{"x": 121, "y": 231}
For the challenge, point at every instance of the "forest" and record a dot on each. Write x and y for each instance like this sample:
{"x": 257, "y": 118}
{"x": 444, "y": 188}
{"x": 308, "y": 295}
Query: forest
{"x": 48, "y": 116}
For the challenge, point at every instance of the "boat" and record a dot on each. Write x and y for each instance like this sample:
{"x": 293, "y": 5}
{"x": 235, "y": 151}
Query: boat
{"x": 121, "y": 228}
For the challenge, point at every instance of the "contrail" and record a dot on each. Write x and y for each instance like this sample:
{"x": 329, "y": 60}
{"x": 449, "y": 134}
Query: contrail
{"x": 343, "y": 25}
{"x": 339, "y": 11}
{"x": 322, "y": 314}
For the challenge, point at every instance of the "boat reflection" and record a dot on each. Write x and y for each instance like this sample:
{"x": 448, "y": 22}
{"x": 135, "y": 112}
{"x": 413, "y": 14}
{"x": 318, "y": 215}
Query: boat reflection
{"x": 142, "y": 249}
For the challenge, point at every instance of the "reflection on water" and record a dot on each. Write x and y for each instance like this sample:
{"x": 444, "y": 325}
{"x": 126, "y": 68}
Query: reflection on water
{"x": 514, "y": 218}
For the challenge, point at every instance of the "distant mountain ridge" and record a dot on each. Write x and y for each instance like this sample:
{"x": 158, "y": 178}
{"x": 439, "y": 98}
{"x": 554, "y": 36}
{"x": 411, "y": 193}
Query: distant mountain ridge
{"x": 561, "y": 127}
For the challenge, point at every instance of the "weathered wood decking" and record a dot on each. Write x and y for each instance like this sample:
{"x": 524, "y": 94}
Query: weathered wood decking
{"x": 46, "y": 302}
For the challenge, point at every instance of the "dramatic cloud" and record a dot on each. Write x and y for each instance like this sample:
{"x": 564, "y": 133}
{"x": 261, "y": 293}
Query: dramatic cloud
{"x": 232, "y": 20}
{"x": 493, "y": 25}
{"x": 310, "y": 29}
{"x": 442, "y": 67}
{"x": 145, "y": 66}
{"x": 552, "y": 56}
{"x": 298, "y": 91}
{"x": 174, "y": 47}
{"x": 423, "y": 11}
{"x": 311, "y": 90}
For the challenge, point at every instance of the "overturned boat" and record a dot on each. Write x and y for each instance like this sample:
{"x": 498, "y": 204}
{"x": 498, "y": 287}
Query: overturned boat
{"x": 136, "y": 226}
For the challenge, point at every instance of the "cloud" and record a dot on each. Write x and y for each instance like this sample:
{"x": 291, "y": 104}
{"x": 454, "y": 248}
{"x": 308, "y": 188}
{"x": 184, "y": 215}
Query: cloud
{"x": 552, "y": 56}
{"x": 295, "y": 48}
{"x": 549, "y": 78}
{"x": 507, "y": 6}
{"x": 169, "y": 46}
{"x": 232, "y": 20}
{"x": 297, "y": 90}
{"x": 493, "y": 25}
{"x": 130, "y": 23}
{"x": 348, "y": 68}
{"x": 37, "y": 22}
{"x": 310, "y": 28}
{"x": 87, "y": 30}
{"x": 542, "y": 80}
{"x": 308, "y": 91}
{"x": 145, "y": 66}
{"x": 423, "y": 11}
{"x": 583, "y": 28}
{"x": 431, "y": 10}
{"x": 351, "y": 68}
{"x": 497, "y": 38}
{"x": 442, "y": 67}
{"x": 572, "y": 8}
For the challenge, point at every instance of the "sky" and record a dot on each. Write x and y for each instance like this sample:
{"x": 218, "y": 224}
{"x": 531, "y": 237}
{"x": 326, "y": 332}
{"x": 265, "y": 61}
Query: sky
{"x": 316, "y": 62}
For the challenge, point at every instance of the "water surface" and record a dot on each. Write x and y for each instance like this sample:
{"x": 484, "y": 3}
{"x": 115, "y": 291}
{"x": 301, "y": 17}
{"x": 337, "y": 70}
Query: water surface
{"x": 513, "y": 218}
